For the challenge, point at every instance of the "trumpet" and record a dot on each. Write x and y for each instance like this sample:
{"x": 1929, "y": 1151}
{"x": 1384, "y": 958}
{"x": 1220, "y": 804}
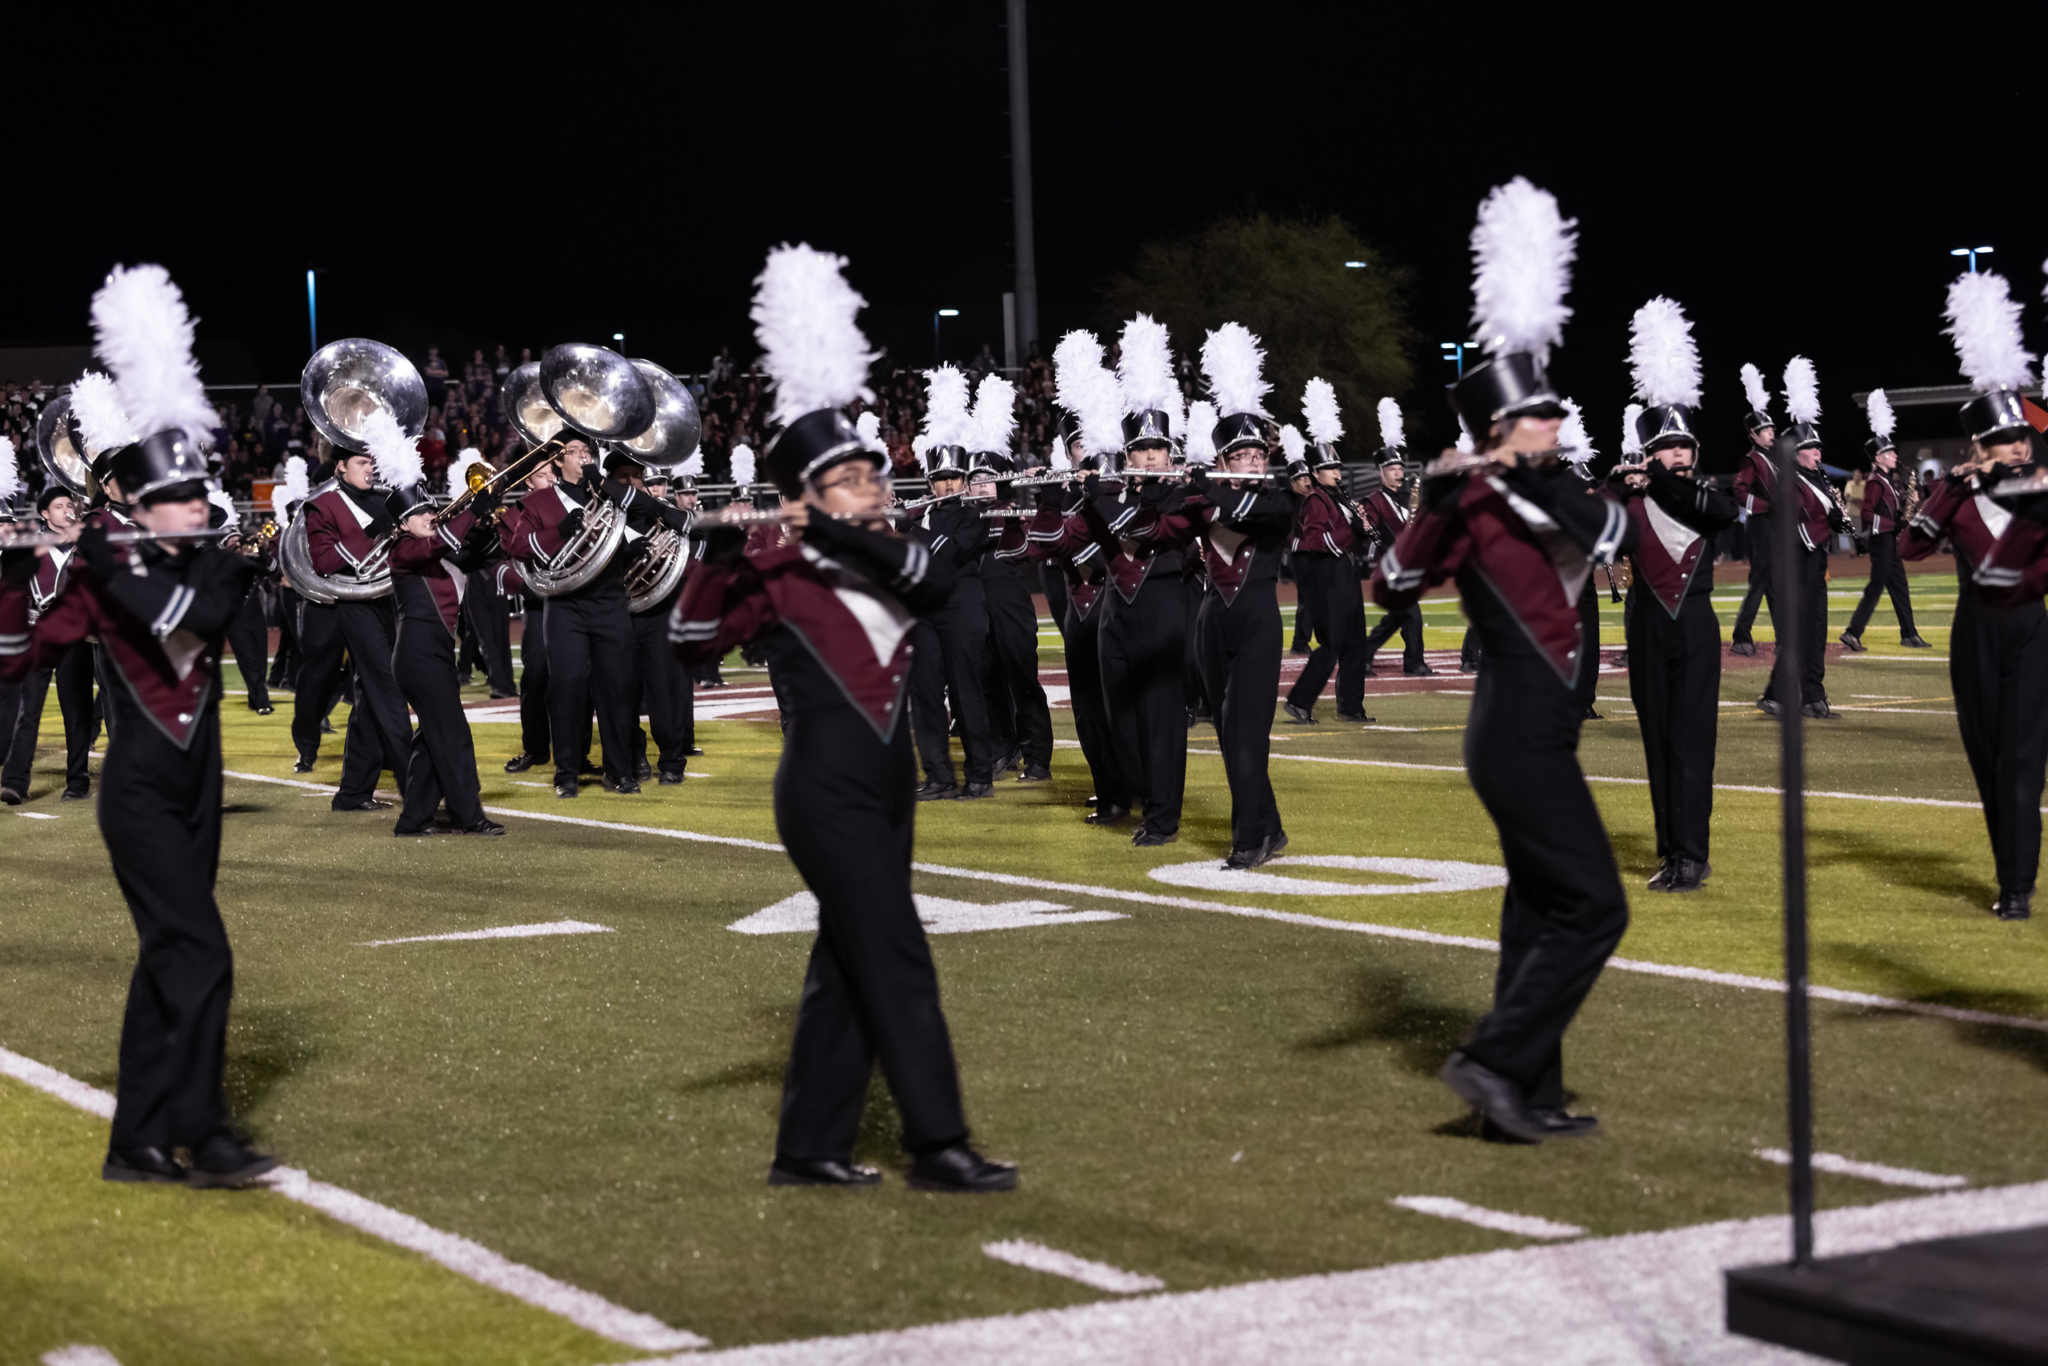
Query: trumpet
{"x": 259, "y": 541}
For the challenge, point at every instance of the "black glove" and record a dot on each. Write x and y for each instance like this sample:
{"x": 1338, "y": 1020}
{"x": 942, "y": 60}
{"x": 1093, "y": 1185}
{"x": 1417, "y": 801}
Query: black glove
{"x": 18, "y": 565}
{"x": 1155, "y": 493}
{"x": 1441, "y": 491}
{"x": 722, "y": 541}
{"x": 571, "y": 524}
{"x": 1199, "y": 481}
{"x": 97, "y": 552}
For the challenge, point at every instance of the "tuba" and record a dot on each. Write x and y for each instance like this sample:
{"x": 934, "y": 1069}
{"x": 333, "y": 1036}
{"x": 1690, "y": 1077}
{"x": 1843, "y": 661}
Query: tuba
{"x": 341, "y": 386}
{"x": 63, "y": 450}
{"x": 597, "y": 394}
{"x": 671, "y": 437}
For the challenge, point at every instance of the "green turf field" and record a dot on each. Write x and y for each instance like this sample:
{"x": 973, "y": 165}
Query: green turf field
{"x": 1198, "y": 1096}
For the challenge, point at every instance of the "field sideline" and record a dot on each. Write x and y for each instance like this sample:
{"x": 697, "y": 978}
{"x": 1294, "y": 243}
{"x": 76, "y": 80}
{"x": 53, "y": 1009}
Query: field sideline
{"x": 1206, "y": 1086}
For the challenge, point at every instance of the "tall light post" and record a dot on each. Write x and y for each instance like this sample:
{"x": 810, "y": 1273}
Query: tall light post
{"x": 1973, "y": 253}
{"x": 312, "y": 314}
{"x": 1020, "y": 178}
{"x": 1355, "y": 265}
{"x": 620, "y": 338}
{"x": 1457, "y": 352}
{"x": 937, "y": 358}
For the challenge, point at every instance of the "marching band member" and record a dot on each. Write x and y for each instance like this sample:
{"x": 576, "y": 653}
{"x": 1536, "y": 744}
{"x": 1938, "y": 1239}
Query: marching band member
{"x": 1521, "y": 536}
{"x": 249, "y": 633}
{"x": 1386, "y": 512}
{"x": 948, "y": 666}
{"x": 1012, "y": 619}
{"x": 1756, "y": 484}
{"x": 1244, "y": 525}
{"x": 834, "y": 612}
{"x": 486, "y": 611}
{"x": 1818, "y": 515}
{"x": 1674, "y": 638}
{"x": 21, "y": 705}
{"x": 664, "y": 682}
{"x": 1998, "y": 644}
{"x": 535, "y": 744}
{"x": 1880, "y": 516}
{"x": 161, "y": 610}
{"x": 1327, "y": 529}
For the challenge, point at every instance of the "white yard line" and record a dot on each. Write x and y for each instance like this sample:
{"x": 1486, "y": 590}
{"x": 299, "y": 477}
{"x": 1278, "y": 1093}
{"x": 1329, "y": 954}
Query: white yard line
{"x": 1522, "y": 1225}
{"x": 79, "y": 1355}
{"x": 598, "y": 1315}
{"x": 1870, "y": 1171}
{"x": 1037, "y": 1257}
{"x": 501, "y": 932}
{"x": 35, "y": 815}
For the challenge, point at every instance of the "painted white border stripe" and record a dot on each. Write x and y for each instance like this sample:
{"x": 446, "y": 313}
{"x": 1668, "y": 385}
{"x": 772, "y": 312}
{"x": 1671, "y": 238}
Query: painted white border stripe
{"x": 1037, "y": 1257}
{"x": 1869, "y": 1171}
{"x": 43, "y": 816}
{"x": 1525, "y": 1225}
{"x": 501, "y": 932}
{"x": 627, "y": 1327}
{"x": 1463, "y": 941}
{"x": 79, "y": 1354}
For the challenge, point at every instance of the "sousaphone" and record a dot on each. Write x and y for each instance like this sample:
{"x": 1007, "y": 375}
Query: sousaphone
{"x": 670, "y": 438}
{"x": 596, "y": 394}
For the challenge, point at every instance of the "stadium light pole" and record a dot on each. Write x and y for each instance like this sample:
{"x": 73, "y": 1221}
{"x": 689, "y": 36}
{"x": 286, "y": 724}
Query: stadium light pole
{"x": 1973, "y": 253}
{"x": 312, "y": 314}
{"x": 620, "y": 338}
{"x": 938, "y": 359}
{"x": 1355, "y": 265}
{"x": 1020, "y": 176}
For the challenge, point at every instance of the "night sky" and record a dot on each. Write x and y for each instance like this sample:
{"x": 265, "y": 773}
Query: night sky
{"x": 531, "y": 176}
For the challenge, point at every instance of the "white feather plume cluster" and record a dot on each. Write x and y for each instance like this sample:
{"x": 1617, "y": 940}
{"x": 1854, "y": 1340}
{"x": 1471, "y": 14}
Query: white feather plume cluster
{"x": 1077, "y": 356}
{"x": 692, "y": 465}
{"x": 397, "y": 455}
{"x": 948, "y": 421}
{"x": 459, "y": 467}
{"x": 1464, "y": 442}
{"x": 143, "y": 332}
{"x": 1233, "y": 362}
{"x": 995, "y": 414}
{"x": 1753, "y": 387}
{"x": 1392, "y": 434}
{"x": 10, "y": 472}
{"x": 1200, "y": 445}
{"x": 742, "y": 465}
{"x": 1522, "y": 251}
{"x": 220, "y": 499}
{"x": 1984, "y": 320}
{"x": 1144, "y": 369}
{"x": 1802, "y": 390}
{"x": 1319, "y": 410}
{"x": 1882, "y": 418}
{"x": 96, "y": 403}
{"x": 1662, "y": 356}
{"x": 868, "y": 426}
{"x": 1293, "y": 442}
{"x": 1056, "y": 458}
{"x": 296, "y": 481}
{"x": 280, "y": 503}
{"x": 803, "y": 318}
{"x": 1572, "y": 436}
{"x": 1101, "y": 411}
{"x": 1631, "y": 444}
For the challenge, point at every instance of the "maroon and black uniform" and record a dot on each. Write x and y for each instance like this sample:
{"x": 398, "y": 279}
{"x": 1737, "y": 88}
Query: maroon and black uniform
{"x": 1674, "y": 652}
{"x": 344, "y": 526}
{"x": 835, "y": 615}
{"x": 1756, "y": 484}
{"x": 1326, "y": 533}
{"x": 510, "y": 583}
{"x": 952, "y": 639}
{"x": 1818, "y": 516}
{"x": 1062, "y": 540}
{"x": 160, "y": 620}
{"x": 1237, "y": 628}
{"x": 1522, "y": 545}
{"x": 249, "y": 636}
{"x": 665, "y": 689}
{"x": 1997, "y": 659}
{"x": 1880, "y": 517}
{"x": 1386, "y": 514}
{"x": 21, "y": 703}
{"x": 1019, "y": 719}
{"x": 428, "y": 580}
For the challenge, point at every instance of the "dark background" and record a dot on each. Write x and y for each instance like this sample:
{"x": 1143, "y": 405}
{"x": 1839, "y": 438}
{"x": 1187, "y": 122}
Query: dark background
{"x": 1794, "y": 177}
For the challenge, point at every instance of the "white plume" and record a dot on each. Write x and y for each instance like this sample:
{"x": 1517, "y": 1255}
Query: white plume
{"x": 1662, "y": 355}
{"x": 1522, "y": 252}
{"x": 1232, "y": 360}
{"x": 1078, "y": 355}
{"x": 1201, "y": 442}
{"x": 1319, "y": 411}
{"x": 280, "y": 502}
{"x": 1391, "y": 433}
{"x": 742, "y": 465}
{"x": 1631, "y": 444}
{"x": 1144, "y": 369}
{"x": 397, "y": 455}
{"x": 947, "y": 419}
{"x": 96, "y": 403}
{"x": 459, "y": 466}
{"x": 143, "y": 332}
{"x": 803, "y": 317}
{"x": 1802, "y": 390}
{"x": 1293, "y": 442}
{"x": 220, "y": 499}
{"x": 295, "y": 481}
{"x": 1984, "y": 319}
{"x": 1464, "y": 442}
{"x": 10, "y": 473}
{"x": 1753, "y": 386}
{"x": 1101, "y": 411}
{"x": 1573, "y": 437}
{"x": 692, "y": 466}
{"x": 1882, "y": 418}
{"x": 1056, "y": 458}
{"x": 995, "y": 414}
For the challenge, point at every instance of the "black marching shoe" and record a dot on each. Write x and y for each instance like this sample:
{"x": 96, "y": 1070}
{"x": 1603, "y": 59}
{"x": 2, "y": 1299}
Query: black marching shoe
{"x": 1241, "y": 859}
{"x": 975, "y": 792}
{"x": 1468, "y": 666}
{"x": 1493, "y": 1097}
{"x": 566, "y": 787}
{"x": 1420, "y": 671}
{"x": 1661, "y": 882}
{"x": 668, "y": 779}
{"x": 9, "y": 796}
{"x": 1592, "y": 715}
{"x": 692, "y": 752}
{"x": 1108, "y": 815}
{"x": 1853, "y": 644}
{"x": 402, "y": 833}
{"x": 79, "y": 793}
{"x": 1299, "y": 716}
{"x": 1745, "y": 648}
{"x": 1913, "y": 642}
{"x": 1688, "y": 874}
{"x": 1358, "y": 716}
{"x": 1557, "y": 1123}
{"x": 643, "y": 770}
{"x": 796, "y": 1171}
{"x": 936, "y": 791}
{"x": 225, "y": 1162}
{"x": 2014, "y": 906}
{"x": 1769, "y": 706}
{"x": 366, "y": 804}
{"x": 624, "y": 787}
{"x": 484, "y": 826}
{"x": 1035, "y": 773}
{"x": 1820, "y": 711}
{"x": 519, "y": 763}
{"x": 1010, "y": 760}
{"x": 960, "y": 1169}
{"x": 264, "y": 710}
{"x": 1152, "y": 839}
{"x": 153, "y": 1165}
{"x": 303, "y": 764}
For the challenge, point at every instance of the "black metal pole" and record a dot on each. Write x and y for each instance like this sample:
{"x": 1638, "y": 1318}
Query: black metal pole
{"x": 1790, "y": 629}
{"x": 1020, "y": 179}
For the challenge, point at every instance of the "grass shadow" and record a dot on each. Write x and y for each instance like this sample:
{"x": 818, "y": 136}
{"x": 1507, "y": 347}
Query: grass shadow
{"x": 764, "y": 1072}
{"x": 1943, "y": 876}
{"x": 1922, "y": 987}
{"x": 266, "y": 1045}
{"x": 1635, "y": 851}
{"x": 1382, "y": 1007}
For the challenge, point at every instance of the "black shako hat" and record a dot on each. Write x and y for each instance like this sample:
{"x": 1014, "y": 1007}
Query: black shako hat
{"x": 810, "y": 445}
{"x": 403, "y": 503}
{"x": 153, "y": 463}
{"x": 1235, "y": 431}
{"x": 1149, "y": 425}
{"x": 1667, "y": 424}
{"x": 1506, "y": 385}
{"x": 1999, "y": 415}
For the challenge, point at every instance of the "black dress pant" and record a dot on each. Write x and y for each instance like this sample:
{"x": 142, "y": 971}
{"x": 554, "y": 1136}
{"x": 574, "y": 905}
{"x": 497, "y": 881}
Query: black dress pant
{"x": 845, "y": 811}
{"x": 1144, "y": 652}
{"x": 591, "y": 656}
{"x": 1762, "y": 539}
{"x": 1241, "y": 675}
{"x": 533, "y": 684}
{"x": 441, "y": 760}
{"x": 159, "y": 811}
{"x": 1674, "y": 679}
{"x": 1304, "y": 625}
{"x": 1998, "y": 668}
{"x": 1091, "y": 711}
{"x": 1564, "y": 910}
{"x": 322, "y": 670}
{"x": 379, "y": 734}
{"x": 1013, "y": 659}
{"x": 664, "y": 693}
{"x": 1812, "y": 605}
{"x": 1409, "y": 624}
{"x": 1337, "y": 606}
{"x": 249, "y": 638}
{"x": 1887, "y": 572}
{"x": 21, "y": 719}
{"x": 284, "y": 665}
{"x": 960, "y": 632}
{"x": 490, "y": 617}
{"x": 1052, "y": 580}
